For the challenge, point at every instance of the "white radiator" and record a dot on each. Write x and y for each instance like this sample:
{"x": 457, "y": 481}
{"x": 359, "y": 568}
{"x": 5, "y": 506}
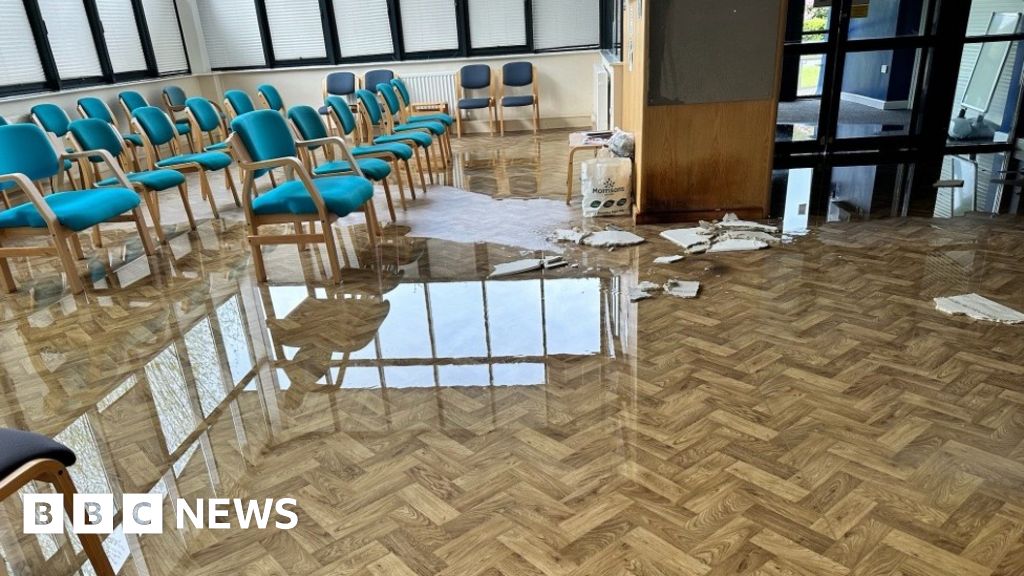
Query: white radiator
{"x": 432, "y": 87}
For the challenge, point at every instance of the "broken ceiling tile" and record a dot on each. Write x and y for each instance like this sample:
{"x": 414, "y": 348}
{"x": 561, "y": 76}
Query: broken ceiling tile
{"x": 732, "y": 222}
{"x": 751, "y": 235}
{"x": 554, "y": 262}
{"x": 575, "y": 235}
{"x": 737, "y": 245}
{"x": 517, "y": 267}
{"x": 612, "y": 238}
{"x": 682, "y": 288}
{"x": 693, "y": 240}
{"x": 668, "y": 259}
{"x": 979, "y": 308}
{"x": 642, "y": 291}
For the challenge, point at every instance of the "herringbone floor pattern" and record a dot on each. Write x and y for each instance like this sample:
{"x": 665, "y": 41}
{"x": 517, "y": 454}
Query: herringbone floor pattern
{"x": 810, "y": 414}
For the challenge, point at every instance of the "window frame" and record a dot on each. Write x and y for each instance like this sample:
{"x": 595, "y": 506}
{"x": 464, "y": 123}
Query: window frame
{"x": 54, "y": 83}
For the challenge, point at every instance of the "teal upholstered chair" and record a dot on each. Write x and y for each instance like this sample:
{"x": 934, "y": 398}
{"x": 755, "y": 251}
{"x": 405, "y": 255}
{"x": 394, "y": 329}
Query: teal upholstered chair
{"x": 262, "y": 140}
{"x": 411, "y": 110}
{"x": 236, "y": 103}
{"x": 131, "y": 101}
{"x": 340, "y": 115}
{"x": 157, "y": 131}
{"x": 28, "y": 155}
{"x": 270, "y": 98}
{"x": 518, "y": 75}
{"x": 474, "y": 77}
{"x": 94, "y": 134}
{"x": 174, "y": 99}
{"x": 396, "y": 122}
{"x": 53, "y": 119}
{"x": 92, "y": 107}
{"x": 309, "y": 125}
{"x": 208, "y": 128}
{"x": 373, "y": 118}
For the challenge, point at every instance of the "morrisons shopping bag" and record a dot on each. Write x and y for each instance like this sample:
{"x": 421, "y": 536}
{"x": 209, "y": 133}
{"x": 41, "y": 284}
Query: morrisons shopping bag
{"x": 607, "y": 186}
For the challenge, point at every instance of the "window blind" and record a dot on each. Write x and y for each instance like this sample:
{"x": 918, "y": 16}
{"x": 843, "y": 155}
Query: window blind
{"x": 494, "y": 23}
{"x": 566, "y": 23}
{"x": 70, "y": 37}
{"x": 429, "y": 25}
{"x": 19, "y": 58}
{"x": 364, "y": 27}
{"x": 162, "y": 22}
{"x": 296, "y": 29}
{"x": 232, "y": 33}
{"x": 121, "y": 33}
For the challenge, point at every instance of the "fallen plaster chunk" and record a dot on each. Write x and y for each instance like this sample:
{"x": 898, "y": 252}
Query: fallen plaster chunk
{"x": 612, "y": 239}
{"x": 554, "y": 262}
{"x": 642, "y": 291}
{"x": 575, "y": 235}
{"x": 732, "y": 222}
{"x": 682, "y": 288}
{"x": 517, "y": 267}
{"x": 668, "y": 259}
{"x": 737, "y": 245}
{"x": 693, "y": 240}
{"x": 979, "y": 308}
{"x": 751, "y": 235}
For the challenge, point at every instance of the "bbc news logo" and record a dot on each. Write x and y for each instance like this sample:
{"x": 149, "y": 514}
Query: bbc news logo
{"x": 144, "y": 513}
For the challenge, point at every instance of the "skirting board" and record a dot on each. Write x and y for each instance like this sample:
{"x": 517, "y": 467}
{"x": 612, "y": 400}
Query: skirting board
{"x": 876, "y": 103}
{"x": 476, "y": 126}
{"x": 746, "y": 213}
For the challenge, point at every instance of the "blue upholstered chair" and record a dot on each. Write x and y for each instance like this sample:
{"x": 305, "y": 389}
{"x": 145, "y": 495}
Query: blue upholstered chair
{"x": 345, "y": 124}
{"x": 28, "y": 457}
{"x": 174, "y": 99}
{"x": 474, "y": 77}
{"x": 411, "y": 110}
{"x": 92, "y": 107}
{"x": 271, "y": 98}
{"x": 396, "y": 122}
{"x": 373, "y": 119}
{"x": 3, "y": 121}
{"x": 262, "y": 140}
{"x": 28, "y": 154}
{"x": 342, "y": 84}
{"x": 94, "y": 134}
{"x": 157, "y": 130}
{"x": 208, "y": 127}
{"x": 518, "y": 75}
{"x": 131, "y": 101}
{"x": 373, "y": 77}
{"x": 309, "y": 125}
{"x": 236, "y": 103}
{"x": 53, "y": 119}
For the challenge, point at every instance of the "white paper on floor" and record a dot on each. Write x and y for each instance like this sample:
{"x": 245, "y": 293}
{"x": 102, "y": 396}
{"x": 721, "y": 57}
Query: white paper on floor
{"x": 668, "y": 259}
{"x": 612, "y": 239}
{"x": 682, "y": 288}
{"x": 979, "y": 308}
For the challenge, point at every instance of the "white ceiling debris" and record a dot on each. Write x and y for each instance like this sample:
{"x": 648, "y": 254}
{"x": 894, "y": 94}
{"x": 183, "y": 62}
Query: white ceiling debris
{"x": 737, "y": 245}
{"x": 527, "y": 265}
{"x": 642, "y": 291}
{"x": 729, "y": 235}
{"x": 979, "y": 308}
{"x": 612, "y": 239}
{"x": 668, "y": 259}
{"x": 574, "y": 235}
{"x": 682, "y": 288}
{"x": 693, "y": 240}
{"x": 732, "y": 222}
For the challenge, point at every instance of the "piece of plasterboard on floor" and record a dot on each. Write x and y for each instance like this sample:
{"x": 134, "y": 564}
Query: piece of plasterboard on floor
{"x": 733, "y": 222}
{"x": 517, "y": 267}
{"x": 575, "y": 235}
{"x": 737, "y": 245}
{"x": 668, "y": 259}
{"x": 751, "y": 235}
{"x": 693, "y": 240}
{"x": 642, "y": 291}
{"x": 612, "y": 239}
{"x": 978, "y": 308}
{"x": 682, "y": 288}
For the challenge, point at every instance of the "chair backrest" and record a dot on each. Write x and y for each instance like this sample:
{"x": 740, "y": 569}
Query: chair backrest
{"x": 3, "y": 121}
{"x": 517, "y": 74}
{"x": 342, "y": 113}
{"x": 265, "y": 135}
{"x": 26, "y": 149}
{"x": 307, "y": 122}
{"x": 374, "y": 77}
{"x": 475, "y": 76}
{"x": 51, "y": 118}
{"x": 96, "y": 134}
{"x": 340, "y": 84}
{"x": 239, "y": 102}
{"x": 132, "y": 100}
{"x": 390, "y": 98}
{"x": 271, "y": 97}
{"x": 205, "y": 113}
{"x": 403, "y": 90}
{"x": 174, "y": 97}
{"x": 155, "y": 123}
{"x": 369, "y": 101}
{"x": 92, "y": 107}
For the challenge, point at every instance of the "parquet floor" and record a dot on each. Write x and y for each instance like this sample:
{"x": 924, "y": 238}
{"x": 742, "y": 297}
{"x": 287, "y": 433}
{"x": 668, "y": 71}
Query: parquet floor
{"x": 809, "y": 414}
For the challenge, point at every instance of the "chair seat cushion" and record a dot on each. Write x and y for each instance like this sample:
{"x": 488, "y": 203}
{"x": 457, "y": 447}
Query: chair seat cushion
{"x": 421, "y": 139}
{"x": 442, "y": 118}
{"x": 152, "y": 179}
{"x": 77, "y": 210}
{"x": 216, "y": 147}
{"x": 373, "y": 168}
{"x": 436, "y": 128}
{"x": 133, "y": 139}
{"x": 342, "y": 195}
{"x": 515, "y": 101}
{"x": 208, "y": 160}
{"x": 400, "y": 150}
{"x": 183, "y": 127}
{"x": 22, "y": 447}
{"x": 473, "y": 103}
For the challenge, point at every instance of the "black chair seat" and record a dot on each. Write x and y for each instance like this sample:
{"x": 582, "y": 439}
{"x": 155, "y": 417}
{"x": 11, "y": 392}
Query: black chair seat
{"x": 17, "y": 448}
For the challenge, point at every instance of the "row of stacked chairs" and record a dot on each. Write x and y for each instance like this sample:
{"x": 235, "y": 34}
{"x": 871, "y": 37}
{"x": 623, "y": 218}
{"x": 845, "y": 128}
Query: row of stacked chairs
{"x": 149, "y": 159}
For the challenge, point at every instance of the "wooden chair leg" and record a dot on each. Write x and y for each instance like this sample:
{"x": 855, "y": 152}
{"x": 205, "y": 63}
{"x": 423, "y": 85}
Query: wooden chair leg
{"x": 430, "y": 167}
{"x": 397, "y": 171}
{"x": 501, "y": 120}
{"x": 332, "y": 251}
{"x": 273, "y": 179}
{"x": 153, "y": 203}
{"x": 408, "y": 175}
{"x": 229, "y": 181}
{"x": 372, "y": 223}
{"x": 536, "y": 118}
{"x": 6, "y": 278}
{"x": 97, "y": 237}
{"x": 91, "y": 543}
{"x": 76, "y": 246}
{"x": 140, "y": 225}
{"x": 183, "y": 191}
{"x": 492, "y": 113}
{"x": 60, "y": 243}
{"x": 204, "y": 184}
{"x": 458, "y": 121}
{"x": 419, "y": 168}
{"x": 387, "y": 196}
